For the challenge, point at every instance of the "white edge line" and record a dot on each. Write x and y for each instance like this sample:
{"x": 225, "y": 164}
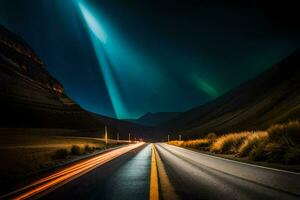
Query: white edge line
{"x": 240, "y": 162}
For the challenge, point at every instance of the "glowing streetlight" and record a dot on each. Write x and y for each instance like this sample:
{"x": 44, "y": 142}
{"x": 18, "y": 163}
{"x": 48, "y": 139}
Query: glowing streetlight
{"x": 105, "y": 134}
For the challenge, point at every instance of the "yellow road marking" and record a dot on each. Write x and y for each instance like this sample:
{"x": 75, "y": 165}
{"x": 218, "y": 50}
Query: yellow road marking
{"x": 154, "y": 195}
{"x": 166, "y": 187}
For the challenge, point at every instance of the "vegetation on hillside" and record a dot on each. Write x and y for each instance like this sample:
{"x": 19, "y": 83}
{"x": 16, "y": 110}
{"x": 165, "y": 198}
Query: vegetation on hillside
{"x": 28, "y": 154}
{"x": 280, "y": 143}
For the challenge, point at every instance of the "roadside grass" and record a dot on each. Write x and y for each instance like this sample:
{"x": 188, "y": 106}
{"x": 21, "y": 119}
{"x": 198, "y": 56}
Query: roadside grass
{"x": 280, "y": 143}
{"x": 75, "y": 150}
{"x": 251, "y": 142}
{"x": 201, "y": 144}
{"x": 27, "y": 154}
{"x": 61, "y": 154}
{"x": 88, "y": 149}
{"x": 176, "y": 143}
{"x": 229, "y": 144}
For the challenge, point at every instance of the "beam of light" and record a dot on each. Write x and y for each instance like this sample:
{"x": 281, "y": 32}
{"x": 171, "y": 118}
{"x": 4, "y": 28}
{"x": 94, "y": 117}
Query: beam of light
{"x": 65, "y": 175}
{"x": 204, "y": 86}
{"x": 93, "y": 24}
{"x": 126, "y": 69}
{"x": 99, "y": 39}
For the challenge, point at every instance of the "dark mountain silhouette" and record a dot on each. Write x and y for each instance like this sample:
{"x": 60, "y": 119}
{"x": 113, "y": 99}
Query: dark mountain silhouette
{"x": 124, "y": 127}
{"x": 154, "y": 119}
{"x": 31, "y": 98}
{"x": 272, "y": 97}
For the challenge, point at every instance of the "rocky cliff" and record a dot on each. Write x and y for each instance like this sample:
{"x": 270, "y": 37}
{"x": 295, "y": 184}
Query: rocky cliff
{"x": 29, "y": 96}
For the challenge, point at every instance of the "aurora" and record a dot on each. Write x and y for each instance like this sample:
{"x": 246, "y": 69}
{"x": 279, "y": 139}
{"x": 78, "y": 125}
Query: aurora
{"x": 98, "y": 38}
{"x": 126, "y": 58}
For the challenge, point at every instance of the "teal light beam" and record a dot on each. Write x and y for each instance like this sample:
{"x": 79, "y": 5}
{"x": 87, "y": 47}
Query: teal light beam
{"x": 99, "y": 38}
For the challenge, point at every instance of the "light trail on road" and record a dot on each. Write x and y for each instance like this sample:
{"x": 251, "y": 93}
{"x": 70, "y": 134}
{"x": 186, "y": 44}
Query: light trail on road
{"x": 74, "y": 171}
{"x": 125, "y": 177}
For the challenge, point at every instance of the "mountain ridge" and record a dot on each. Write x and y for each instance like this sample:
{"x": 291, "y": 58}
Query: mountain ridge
{"x": 273, "y": 94}
{"x": 31, "y": 98}
{"x": 154, "y": 119}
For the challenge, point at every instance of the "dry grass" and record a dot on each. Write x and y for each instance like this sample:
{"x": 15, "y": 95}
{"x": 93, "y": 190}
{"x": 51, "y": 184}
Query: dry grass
{"x": 229, "y": 144}
{"x": 198, "y": 144}
{"x": 280, "y": 143}
{"x": 252, "y": 142}
{"x": 24, "y": 155}
{"x": 201, "y": 144}
{"x": 61, "y": 154}
{"x": 287, "y": 134}
{"x": 75, "y": 150}
{"x": 176, "y": 143}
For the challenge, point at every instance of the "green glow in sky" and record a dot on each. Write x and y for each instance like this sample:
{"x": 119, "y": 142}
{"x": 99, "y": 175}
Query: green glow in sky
{"x": 204, "y": 86}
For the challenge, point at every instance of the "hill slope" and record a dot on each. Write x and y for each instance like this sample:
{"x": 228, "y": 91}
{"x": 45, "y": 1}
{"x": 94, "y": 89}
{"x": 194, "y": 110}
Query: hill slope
{"x": 272, "y": 97}
{"x": 153, "y": 119}
{"x": 31, "y": 98}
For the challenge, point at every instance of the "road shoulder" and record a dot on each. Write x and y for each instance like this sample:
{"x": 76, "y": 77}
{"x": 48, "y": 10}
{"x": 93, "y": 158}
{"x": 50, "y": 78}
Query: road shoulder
{"x": 288, "y": 168}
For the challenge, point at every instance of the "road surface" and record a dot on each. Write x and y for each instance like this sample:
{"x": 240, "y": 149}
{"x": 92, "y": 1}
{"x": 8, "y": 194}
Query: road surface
{"x": 126, "y": 177}
{"x": 196, "y": 175}
{"x": 96, "y": 177}
{"x": 161, "y": 171}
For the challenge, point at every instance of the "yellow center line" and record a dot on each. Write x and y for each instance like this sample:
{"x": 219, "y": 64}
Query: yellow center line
{"x": 166, "y": 188}
{"x": 153, "y": 195}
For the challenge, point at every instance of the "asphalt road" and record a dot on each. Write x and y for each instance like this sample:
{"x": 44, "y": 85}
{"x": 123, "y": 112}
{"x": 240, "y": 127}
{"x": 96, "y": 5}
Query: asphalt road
{"x": 138, "y": 172}
{"x": 125, "y": 177}
{"x": 199, "y": 176}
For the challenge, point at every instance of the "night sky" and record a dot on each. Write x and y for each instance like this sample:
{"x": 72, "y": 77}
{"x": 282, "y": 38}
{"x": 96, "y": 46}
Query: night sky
{"x": 126, "y": 58}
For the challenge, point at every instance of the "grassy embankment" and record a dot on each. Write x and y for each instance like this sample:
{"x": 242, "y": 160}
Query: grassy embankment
{"x": 25, "y": 155}
{"x": 278, "y": 144}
